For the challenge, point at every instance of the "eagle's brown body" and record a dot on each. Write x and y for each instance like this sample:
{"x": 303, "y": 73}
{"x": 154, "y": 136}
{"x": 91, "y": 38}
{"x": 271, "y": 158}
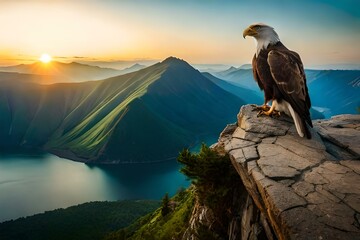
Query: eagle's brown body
{"x": 279, "y": 72}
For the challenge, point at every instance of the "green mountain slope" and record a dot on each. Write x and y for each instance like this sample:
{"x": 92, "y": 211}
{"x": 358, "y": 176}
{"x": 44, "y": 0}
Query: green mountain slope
{"x": 148, "y": 115}
{"x": 86, "y": 129}
{"x": 85, "y": 221}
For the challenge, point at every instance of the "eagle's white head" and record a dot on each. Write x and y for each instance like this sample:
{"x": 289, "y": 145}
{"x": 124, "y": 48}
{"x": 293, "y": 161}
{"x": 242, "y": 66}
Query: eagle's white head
{"x": 263, "y": 34}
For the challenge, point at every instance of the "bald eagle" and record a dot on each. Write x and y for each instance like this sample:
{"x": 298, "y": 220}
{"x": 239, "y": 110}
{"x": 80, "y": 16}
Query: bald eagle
{"x": 279, "y": 72}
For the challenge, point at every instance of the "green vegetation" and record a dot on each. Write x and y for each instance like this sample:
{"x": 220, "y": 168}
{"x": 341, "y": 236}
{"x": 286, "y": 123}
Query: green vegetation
{"x": 86, "y": 221}
{"x": 216, "y": 181}
{"x": 165, "y": 208}
{"x": 91, "y": 134}
{"x": 155, "y": 226}
{"x": 214, "y": 184}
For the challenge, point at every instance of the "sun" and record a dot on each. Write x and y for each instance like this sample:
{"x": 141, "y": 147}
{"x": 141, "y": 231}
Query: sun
{"x": 45, "y": 58}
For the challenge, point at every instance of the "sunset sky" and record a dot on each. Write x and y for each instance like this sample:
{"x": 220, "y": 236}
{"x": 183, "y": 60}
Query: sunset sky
{"x": 202, "y": 31}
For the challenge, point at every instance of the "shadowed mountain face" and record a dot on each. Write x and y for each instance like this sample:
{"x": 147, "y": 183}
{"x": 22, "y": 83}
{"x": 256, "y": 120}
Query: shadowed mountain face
{"x": 148, "y": 115}
{"x": 332, "y": 92}
{"x": 249, "y": 96}
{"x": 335, "y": 91}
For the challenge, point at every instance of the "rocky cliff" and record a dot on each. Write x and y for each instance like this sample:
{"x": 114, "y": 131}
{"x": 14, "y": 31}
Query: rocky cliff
{"x": 295, "y": 188}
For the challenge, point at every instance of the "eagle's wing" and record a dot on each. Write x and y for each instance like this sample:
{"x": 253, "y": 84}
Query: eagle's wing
{"x": 256, "y": 76}
{"x": 288, "y": 72}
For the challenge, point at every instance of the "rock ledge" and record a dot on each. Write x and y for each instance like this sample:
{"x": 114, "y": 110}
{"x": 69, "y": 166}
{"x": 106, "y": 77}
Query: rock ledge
{"x": 298, "y": 188}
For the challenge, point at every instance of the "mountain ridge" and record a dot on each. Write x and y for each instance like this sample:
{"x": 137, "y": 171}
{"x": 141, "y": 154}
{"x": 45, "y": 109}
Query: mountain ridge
{"x": 60, "y": 72}
{"x": 90, "y": 121}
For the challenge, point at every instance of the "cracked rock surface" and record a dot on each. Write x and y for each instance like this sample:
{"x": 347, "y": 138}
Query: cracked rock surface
{"x": 306, "y": 189}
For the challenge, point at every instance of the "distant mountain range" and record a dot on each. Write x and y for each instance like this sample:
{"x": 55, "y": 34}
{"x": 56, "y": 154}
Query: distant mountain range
{"x": 332, "y": 92}
{"x": 55, "y": 72}
{"x": 119, "y": 64}
{"x": 133, "y": 68}
{"x": 250, "y": 96}
{"x": 144, "y": 116}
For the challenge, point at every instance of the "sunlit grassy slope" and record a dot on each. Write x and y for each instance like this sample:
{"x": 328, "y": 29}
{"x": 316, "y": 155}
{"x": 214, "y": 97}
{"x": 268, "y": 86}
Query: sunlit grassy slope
{"x": 148, "y": 115}
{"x": 100, "y": 111}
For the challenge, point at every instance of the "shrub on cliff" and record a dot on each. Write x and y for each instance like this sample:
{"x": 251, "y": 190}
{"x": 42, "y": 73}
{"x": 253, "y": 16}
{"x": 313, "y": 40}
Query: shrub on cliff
{"x": 215, "y": 181}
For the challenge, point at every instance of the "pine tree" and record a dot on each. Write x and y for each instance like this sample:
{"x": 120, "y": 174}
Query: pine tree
{"x": 165, "y": 209}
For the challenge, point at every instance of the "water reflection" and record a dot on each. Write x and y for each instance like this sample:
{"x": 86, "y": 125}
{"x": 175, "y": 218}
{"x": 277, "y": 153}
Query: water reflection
{"x": 31, "y": 184}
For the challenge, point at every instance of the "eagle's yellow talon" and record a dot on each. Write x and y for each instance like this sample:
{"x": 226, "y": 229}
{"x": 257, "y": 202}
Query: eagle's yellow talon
{"x": 270, "y": 113}
{"x": 264, "y": 107}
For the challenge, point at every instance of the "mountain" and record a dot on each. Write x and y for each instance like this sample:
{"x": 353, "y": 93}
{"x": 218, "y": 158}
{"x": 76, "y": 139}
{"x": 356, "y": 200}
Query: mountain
{"x": 63, "y": 72}
{"x": 249, "y": 96}
{"x": 119, "y": 64}
{"x": 133, "y": 68}
{"x": 13, "y": 76}
{"x": 144, "y": 116}
{"x": 331, "y": 92}
{"x": 246, "y": 66}
{"x": 210, "y": 67}
{"x": 335, "y": 91}
{"x": 93, "y": 220}
{"x": 240, "y": 77}
{"x": 229, "y": 70}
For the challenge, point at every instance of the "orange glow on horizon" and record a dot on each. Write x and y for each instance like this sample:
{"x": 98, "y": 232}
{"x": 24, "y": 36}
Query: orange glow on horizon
{"x": 128, "y": 30}
{"x": 45, "y": 58}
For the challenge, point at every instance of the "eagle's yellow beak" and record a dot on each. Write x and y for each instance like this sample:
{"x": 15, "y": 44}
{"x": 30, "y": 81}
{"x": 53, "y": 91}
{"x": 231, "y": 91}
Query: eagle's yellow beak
{"x": 249, "y": 32}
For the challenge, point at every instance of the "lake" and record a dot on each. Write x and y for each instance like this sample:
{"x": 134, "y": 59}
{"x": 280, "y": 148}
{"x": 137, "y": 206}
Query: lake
{"x": 34, "y": 184}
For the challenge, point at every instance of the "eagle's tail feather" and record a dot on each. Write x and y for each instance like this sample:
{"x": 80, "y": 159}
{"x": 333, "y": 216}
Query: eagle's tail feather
{"x": 306, "y": 129}
{"x": 300, "y": 124}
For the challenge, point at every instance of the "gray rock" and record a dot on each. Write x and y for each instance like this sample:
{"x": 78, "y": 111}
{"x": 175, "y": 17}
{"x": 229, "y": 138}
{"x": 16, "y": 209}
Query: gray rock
{"x": 281, "y": 198}
{"x": 303, "y": 188}
{"x": 274, "y": 171}
{"x": 242, "y": 134}
{"x": 269, "y": 140}
{"x": 353, "y": 165}
{"x": 302, "y": 223}
{"x": 343, "y": 131}
{"x": 323, "y": 191}
{"x": 353, "y": 200}
{"x": 312, "y": 150}
{"x": 228, "y": 130}
{"x": 315, "y": 177}
{"x": 344, "y": 183}
{"x": 295, "y": 184}
{"x": 237, "y": 143}
{"x": 275, "y": 161}
{"x": 237, "y": 155}
{"x": 267, "y": 126}
{"x": 250, "y": 153}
